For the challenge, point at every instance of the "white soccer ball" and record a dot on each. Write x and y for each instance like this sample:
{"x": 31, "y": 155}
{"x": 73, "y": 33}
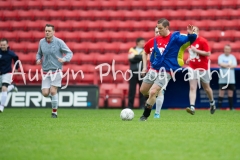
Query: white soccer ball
{"x": 127, "y": 114}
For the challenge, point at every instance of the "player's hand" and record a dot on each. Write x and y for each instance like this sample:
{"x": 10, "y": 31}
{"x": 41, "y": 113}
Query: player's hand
{"x": 187, "y": 61}
{"x": 60, "y": 60}
{"x": 194, "y": 49}
{"x": 39, "y": 61}
{"x": 144, "y": 71}
{"x": 131, "y": 55}
{"x": 190, "y": 29}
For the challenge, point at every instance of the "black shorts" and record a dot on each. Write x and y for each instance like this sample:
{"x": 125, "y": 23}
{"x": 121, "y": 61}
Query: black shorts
{"x": 229, "y": 87}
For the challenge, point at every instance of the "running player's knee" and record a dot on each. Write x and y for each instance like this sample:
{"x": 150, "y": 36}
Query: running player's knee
{"x": 4, "y": 87}
{"x": 45, "y": 93}
{"x": 153, "y": 92}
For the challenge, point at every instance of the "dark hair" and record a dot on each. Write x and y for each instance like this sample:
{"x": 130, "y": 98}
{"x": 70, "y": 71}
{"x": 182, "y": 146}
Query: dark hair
{"x": 139, "y": 39}
{"x": 164, "y": 22}
{"x": 4, "y": 39}
{"x": 50, "y": 25}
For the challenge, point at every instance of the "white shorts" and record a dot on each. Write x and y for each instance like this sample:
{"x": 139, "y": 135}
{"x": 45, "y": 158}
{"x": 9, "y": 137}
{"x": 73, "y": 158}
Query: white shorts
{"x": 54, "y": 79}
{"x": 195, "y": 74}
{"x": 161, "y": 79}
{"x": 5, "y": 78}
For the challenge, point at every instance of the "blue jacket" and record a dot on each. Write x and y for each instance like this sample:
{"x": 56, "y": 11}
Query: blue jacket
{"x": 172, "y": 57}
{"x": 6, "y": 58}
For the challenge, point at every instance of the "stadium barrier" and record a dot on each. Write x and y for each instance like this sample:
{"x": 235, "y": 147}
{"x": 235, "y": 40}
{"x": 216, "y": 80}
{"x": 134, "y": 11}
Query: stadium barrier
{"x": 71, "y": 97}
{"x": 177, "y": 93}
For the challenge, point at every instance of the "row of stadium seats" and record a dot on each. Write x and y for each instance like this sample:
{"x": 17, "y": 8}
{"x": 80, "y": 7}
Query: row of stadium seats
{"x": 112, "y": 36}
{"x": 115, "y": 47}
{"x": 182, "y": 14}
{"x": 126, "y": 4}
{"x": 117, "y": 25}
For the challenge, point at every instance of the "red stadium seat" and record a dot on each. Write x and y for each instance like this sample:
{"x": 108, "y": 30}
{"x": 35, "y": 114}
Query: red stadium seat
{"x": 222, "y": 14}
{"x": 72, "y": 36}
{"x": 10, "y": 15}
{"x": 6, "y": 5}
{"x": 27, "y": 58}
{"x": 234, "y": 13}
{"x": 147, "y": 15}
{"x": 198, "y": 4}
{"x": 192, "y": 14}
{"x": 235, "y": 46}
{"x": 152, "y": 5}
{"x": 56, "y": 15}
{"x": 36, "y": 25}
{"x": 87, "y": 68}
{"x": 214, "y": 58}
{"x": 85, "y": 15}
{"x": 213, "y": 4}
{"x": 226, "y": 35}
{"x": 89, "y": 78}
{"x": 32, "y": 47}
{"x": 130, "y": 15}
{"x": 25, "y": 15}
{"x": 93, "y": 5}
{"x": 88, "y": 58}
{"x": 123, "y": 5}
{"x": 236, "y": 35}
{"x": 41, "y": 15}
{"x": 124, "y": 87}
{"x": 105, "y": 87}
{"x": 19, "y": 5}
{"x": 63, "y": 5}
{"x": 18, "y": 47}
{"x": 34, "y": 5}
{"x": 227, "y": 25}
{"x": 116, "y": 15}
{"x": 115, "y": 98}
{"x": 100, "y": 15}
{"x": 229, "y": 4}
{"x": 176, "y": 14}
{"x": 137, "y": 5}
{"x": 99, "y": 36}
{"x": 71, "y": 15}
{"x": 111, "y": 47}
{"x": 78, "y": 4}
{"x": 183, "y": 4}
{"x": 24, "y": 36}
{"x": 120, "y": 58}
{"x": 104, "y": 58}
{"x": 167, "y": 4}
{"x": 136, "y": 102}
{"x": 207, "y": 14}
{"x": 49, "y": 4}
{"x": 11, "y": 36}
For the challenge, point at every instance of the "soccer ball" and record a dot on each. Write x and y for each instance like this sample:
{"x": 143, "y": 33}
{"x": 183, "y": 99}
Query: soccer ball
{"x": 127, "y": 114}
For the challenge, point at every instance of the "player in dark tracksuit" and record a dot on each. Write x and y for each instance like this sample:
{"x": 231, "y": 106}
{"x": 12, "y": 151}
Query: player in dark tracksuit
{"x": 6, "y": 58}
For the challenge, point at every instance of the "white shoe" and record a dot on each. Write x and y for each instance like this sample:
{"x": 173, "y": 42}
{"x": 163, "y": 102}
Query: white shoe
{"x": 1, "y": 109}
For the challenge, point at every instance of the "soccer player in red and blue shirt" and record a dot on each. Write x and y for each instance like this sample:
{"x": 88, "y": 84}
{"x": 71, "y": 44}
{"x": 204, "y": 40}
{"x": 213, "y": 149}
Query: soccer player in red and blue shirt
{"x": 166, "y": 56}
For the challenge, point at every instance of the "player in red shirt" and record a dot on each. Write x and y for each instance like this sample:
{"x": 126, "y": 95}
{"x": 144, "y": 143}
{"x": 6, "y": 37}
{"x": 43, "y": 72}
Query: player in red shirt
{"x": 198, "y": 64}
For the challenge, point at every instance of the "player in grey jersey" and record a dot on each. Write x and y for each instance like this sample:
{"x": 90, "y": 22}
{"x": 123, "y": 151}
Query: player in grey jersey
{"x": 50, "y": 54}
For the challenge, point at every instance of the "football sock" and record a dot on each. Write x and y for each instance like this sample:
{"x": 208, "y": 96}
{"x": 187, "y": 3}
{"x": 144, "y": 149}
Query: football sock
{"x": 55, "y": 103}
{"x": 147, "y": 110}
{"x": 3, "y": 98}
{"x": 220, "y": 99}
{"x": 192, "y": 106}
{"x": 230, "y": 101}
{"x": 159, "y": 103}
{"x": 10, "y": 88}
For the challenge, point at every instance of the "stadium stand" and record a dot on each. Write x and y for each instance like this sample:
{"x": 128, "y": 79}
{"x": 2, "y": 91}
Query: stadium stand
{"x": 99, "y": 31}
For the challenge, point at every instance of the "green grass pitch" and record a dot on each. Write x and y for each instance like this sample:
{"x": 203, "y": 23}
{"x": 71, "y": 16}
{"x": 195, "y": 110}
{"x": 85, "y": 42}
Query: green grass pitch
{"x": 27, "y": 134}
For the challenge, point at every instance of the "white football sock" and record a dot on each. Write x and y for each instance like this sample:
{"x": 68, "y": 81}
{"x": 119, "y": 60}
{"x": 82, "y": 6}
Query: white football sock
{"x": 55, "y": 103}
{"x": 159, "y": 103}
{"x": 3, "y": 98}
{"x": 10, "y": 88}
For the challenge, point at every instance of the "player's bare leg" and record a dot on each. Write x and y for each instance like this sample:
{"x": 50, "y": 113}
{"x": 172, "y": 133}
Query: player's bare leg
{"x": 192, "y": 96}
{"x": 209, "y": 93}
{"x": 150, "y": 101}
